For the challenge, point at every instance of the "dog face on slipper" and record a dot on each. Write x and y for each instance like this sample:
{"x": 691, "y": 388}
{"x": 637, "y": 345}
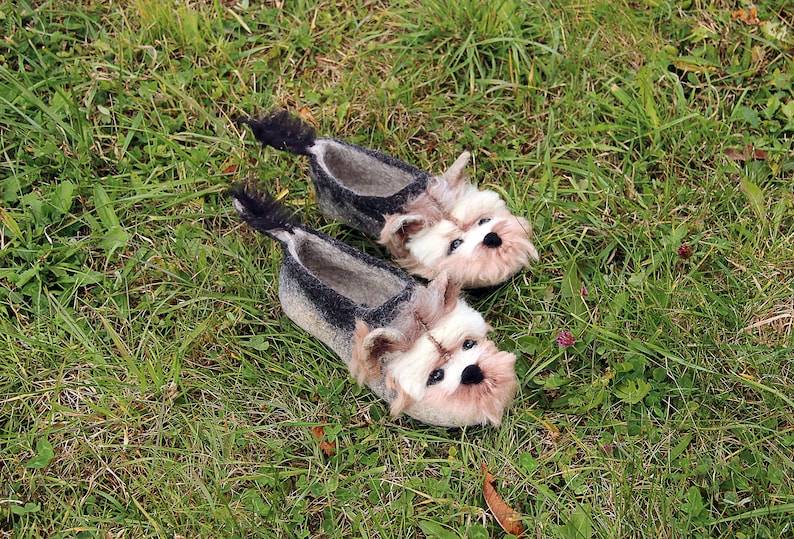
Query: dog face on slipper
{"x": 455, "y": 227}
{"x": 438, "y": 361}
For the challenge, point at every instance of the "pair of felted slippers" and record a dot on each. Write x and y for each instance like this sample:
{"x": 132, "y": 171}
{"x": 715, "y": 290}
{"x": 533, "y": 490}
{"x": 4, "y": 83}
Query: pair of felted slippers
{"x": 420, "y": 348}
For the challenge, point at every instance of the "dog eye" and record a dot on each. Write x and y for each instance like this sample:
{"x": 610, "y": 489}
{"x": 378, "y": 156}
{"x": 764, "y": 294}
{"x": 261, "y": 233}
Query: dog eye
{"x": 468, "y": 344}
{"x": 454, "y": 245}
{"x": 435, "y": 377}
{"x": 483, "y": 221}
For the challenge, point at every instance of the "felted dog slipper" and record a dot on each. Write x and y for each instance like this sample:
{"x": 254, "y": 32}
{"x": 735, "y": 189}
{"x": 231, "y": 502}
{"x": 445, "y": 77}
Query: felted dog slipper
{"x": 431, "y": 224}
{"x": 420, "y": 348}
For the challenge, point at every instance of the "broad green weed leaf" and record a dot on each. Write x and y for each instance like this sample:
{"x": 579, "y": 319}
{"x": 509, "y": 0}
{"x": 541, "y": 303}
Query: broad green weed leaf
{"x": 44, "y": 454}
{"x": 680, "y": 447}
{"x": 477, "y": 532}
{"x": 10, "y": 224}
{"x": 257, "y": 342}
{"x": 552, "y": 381}
{"x": 24, "y": 509}
{"x": 437, "y": 531}
{"x": 659, "y": 374}
{"x": 694, "y": 505}
{"x": 28, "y": 275}
{"x": 63, "y": 196}
{"x": 779, "y": 32}
{"x": 644, "y": 79}
{"x": 254, "y": 502}
{"x": 40, "y": 210}
{"x": 9, "y": 189}
{"x": 788, "y": 109}
{"x": 676, "y": 237}
{"x": 754, "y": 195}
{"x": 528, "y": 462}
{"x": 781, "y": 209}
{"x": 528, "y": 344}
{"x": 748, "y": 116}
{"x": 577, "y": 527}
{"x": 632, "y": 391}
{"x": 115, "y": 238}
{"x": 104, "y": 208}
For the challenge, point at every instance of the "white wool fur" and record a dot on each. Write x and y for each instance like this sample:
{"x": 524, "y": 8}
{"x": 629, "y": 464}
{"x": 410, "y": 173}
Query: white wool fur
{"x": 475, "y": 203}
{"x": 460, "y": 324}
{"x": 408, "y": 368}
{"x": 239, "y": 208}
{"x": 431, "y": 244}
{"x": 318, "y": 149}
{"x": 411, "y": 369}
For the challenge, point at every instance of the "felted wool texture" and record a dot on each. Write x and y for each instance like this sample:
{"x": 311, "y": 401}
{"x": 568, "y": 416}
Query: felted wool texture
{"x": 360, "y": 186}
{"x": 326, "y": 285}
{"x": 356, "y": 185}
{"x": 340, "y": 283}
{"x": 298, "y": 304}
{"x": 430, "y": 224}
{"x": 391, "y": 332}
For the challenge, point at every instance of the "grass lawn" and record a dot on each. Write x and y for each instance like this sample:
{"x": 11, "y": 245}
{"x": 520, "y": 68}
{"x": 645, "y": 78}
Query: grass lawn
{"x": 151, "y": 387}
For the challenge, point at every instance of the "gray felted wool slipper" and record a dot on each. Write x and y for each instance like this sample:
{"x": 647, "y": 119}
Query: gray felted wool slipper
{"x": 420, "y": 348}
{"x": 431, "y": 224}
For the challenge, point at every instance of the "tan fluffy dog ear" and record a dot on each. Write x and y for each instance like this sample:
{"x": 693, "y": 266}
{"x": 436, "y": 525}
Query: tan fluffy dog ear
{"x": 398, "y": 228}
{"x": 402, "y": 400}
{"x": 455, "y": 174}
{"x": 447, "y": 289}
{"x": 368, "y": 348}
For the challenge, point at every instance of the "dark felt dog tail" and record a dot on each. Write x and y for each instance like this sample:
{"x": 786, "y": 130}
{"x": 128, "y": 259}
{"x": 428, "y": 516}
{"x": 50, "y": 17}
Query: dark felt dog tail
{"x": 283, "y": 131}
{"x": 260, "y": 210}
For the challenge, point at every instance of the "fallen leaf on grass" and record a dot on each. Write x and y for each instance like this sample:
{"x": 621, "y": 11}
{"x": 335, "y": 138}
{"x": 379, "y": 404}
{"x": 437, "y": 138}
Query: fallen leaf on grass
{"x": 747, "y": 16}
{"x": 749, "y": 153}
{"x": 307, "y": 115}
{"x": 229, "y": 168}
{"x": 736, "y": 155}
{"x": 318, "y": 431}
{"x": 508, "y": 519}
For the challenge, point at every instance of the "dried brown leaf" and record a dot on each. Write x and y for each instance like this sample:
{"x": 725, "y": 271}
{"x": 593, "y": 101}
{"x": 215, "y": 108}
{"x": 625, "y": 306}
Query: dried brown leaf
{"x": 318, "y": 431}
{"x": 736, "y": 155}
{"x": 307, "y": 115}
{"x": 747, "y": 16}
{"x": 229, "y": 166}
{"x": 508, "y": 518}
{"x": 748, "y": 153}
{"x": 759, "y": 155}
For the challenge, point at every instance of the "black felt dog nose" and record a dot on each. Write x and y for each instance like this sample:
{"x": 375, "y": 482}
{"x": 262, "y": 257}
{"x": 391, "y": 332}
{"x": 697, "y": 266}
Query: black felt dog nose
{"x": 492, "y": 240}
{"x": 471, "y": 375}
